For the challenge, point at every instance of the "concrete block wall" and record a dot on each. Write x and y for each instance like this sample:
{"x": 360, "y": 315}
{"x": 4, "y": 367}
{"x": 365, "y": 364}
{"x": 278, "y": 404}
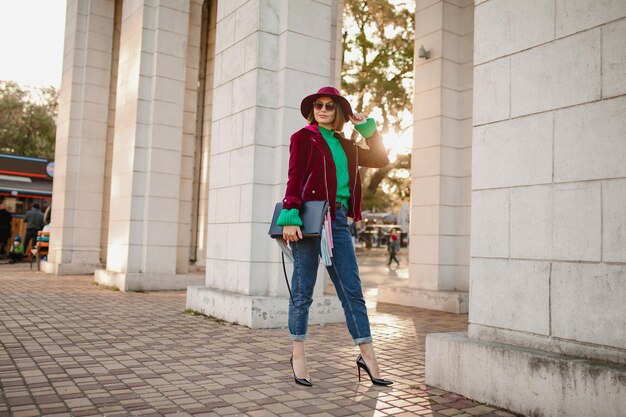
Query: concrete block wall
{"x": 548, "y": 250}
{"x": 547, "y": 318}
{"x": 268, "y": 56}
{"x": 336, "y": 47}
{"x": 123, "y": 190}
{"x": 261, "y": 48}
{"x": 231, "y": 166}
{"x": 81, "y": 141}
{"x": 106, "y": 198}
{"x": 440, "y": 175}
{"x": 148, "y": 139}
{"x": 520, "y": 380}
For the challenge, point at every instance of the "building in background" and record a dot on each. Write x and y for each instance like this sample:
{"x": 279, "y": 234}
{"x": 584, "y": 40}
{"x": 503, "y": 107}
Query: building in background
{"x": 25, "y": 181}
{"x": 172, "y": 147}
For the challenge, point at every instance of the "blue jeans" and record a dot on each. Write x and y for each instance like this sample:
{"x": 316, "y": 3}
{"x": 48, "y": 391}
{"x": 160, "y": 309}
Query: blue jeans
{"x": 344, "y": 273}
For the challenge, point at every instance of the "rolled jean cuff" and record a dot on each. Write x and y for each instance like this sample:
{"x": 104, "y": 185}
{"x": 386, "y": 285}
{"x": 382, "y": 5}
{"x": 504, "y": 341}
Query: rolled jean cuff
{"x": 297, "y": 337}
{"x": 363, "y": 340}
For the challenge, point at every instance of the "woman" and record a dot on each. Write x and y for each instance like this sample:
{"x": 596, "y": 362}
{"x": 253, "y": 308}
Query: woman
{"x": 323, "y": 165}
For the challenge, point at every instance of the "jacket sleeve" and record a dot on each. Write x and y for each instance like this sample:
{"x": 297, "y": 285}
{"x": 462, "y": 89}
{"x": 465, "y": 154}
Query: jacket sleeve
{"x": 376, "y": 155}
{"x": 299, "y": 150}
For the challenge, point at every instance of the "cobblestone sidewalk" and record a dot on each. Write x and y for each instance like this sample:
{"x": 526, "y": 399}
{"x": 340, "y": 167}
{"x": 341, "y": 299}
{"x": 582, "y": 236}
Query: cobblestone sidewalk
{"x": 71, "y": 348}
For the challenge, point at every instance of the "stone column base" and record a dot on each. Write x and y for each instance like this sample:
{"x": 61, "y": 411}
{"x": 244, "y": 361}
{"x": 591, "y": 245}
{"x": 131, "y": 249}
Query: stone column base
{"x": 449, "y": 301}
{"x": 527, "y": 381}
{"x": 69, "y": 269}
{"x": 258, "y": 312}
{"x": 146, "y": 282}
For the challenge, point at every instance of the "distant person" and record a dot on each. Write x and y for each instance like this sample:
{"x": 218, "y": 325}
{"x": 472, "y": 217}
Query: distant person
{"x": 47, "y": 218}
{"x": 394, "y": 247}
{"x": 5, "y": 227}
{"x": 16, "y": 253}
{"x": 34, "y": 223}
{"x": 380, "y": 233}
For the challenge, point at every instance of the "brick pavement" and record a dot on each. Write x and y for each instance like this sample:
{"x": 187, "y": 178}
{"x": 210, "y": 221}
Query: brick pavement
{"x": 71, "y": 348}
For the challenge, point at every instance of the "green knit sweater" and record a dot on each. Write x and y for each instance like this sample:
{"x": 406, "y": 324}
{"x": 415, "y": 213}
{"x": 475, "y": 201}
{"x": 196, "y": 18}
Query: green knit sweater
{"x": 367, "y": 129}
{"x": 341, "y": 166}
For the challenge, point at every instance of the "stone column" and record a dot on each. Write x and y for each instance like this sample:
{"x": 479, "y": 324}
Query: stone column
{"x": 440, "y": 173}
{"x": 269, "y": 55}
{"x": 547, "y": 330}
{"x": 147, "y": 149}
{"x": 81, "y": 139}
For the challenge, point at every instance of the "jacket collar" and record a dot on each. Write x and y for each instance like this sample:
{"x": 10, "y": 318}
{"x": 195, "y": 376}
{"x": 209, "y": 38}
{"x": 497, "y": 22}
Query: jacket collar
{"x": 312, "y": 128}
{"x": 315, "y": 130}
{"x": 316, "y": 138}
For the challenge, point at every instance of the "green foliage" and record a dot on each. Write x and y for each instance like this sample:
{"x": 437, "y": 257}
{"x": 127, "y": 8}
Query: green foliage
{"x": 387, "y": 187}
{"x": 378, "y": 45}
{"x": 27, "y": 120}
{"x": 378, "y": 41}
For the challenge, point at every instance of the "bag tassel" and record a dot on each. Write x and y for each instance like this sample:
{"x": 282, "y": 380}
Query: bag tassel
{"x": 329, "y": 228}
{"x": 326, "y": 242}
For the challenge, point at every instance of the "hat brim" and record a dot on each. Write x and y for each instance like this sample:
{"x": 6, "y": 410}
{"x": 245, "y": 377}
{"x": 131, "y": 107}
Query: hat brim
{"x": 307, "y": 103}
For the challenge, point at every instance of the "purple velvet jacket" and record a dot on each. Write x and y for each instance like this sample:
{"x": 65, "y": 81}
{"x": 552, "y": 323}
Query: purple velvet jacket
{"x": 312, "y": 173}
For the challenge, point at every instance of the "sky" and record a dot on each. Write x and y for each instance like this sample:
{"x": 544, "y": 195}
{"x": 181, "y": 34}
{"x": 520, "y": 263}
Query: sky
{"x": 31, "y": 41}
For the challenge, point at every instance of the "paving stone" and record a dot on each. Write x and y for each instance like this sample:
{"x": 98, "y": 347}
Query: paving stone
{"x": 27, "y": 413}
{"x": 78, "y": 402}
{"x": 223, "y": 411}
{"x": 72, "y": 348}
{"x": 450, "y": 412}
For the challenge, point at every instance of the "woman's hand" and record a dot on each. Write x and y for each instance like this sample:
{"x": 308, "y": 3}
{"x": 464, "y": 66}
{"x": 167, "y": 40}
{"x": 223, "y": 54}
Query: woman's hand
{"x": 357, "y": 118}
{"x": 292, "y": 233}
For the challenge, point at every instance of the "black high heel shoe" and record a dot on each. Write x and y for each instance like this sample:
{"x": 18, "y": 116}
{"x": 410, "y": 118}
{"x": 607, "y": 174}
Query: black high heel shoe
{"x": 299, "y": 381}
{"x": 360, "y": 363}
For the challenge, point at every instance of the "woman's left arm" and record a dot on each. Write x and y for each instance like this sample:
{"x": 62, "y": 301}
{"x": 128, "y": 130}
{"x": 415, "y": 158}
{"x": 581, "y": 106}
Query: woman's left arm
{"x": 376, "y": 155}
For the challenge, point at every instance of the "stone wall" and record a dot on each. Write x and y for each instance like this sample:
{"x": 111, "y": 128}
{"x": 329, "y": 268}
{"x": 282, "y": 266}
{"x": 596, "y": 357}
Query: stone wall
{"x": 81, "y": 141}
{"x": 549, "y": 183}
{"x": 547, "y": 332}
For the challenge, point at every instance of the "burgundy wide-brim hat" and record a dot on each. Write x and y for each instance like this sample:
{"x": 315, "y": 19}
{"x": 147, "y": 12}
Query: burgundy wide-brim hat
{"x": 332, "y": 92}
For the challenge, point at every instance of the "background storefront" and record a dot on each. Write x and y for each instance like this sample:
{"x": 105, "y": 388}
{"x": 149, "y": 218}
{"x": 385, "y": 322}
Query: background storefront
{"x": 24, "y": 181}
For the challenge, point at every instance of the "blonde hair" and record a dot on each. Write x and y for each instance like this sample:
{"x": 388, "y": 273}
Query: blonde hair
{"x": 340, "y": 118}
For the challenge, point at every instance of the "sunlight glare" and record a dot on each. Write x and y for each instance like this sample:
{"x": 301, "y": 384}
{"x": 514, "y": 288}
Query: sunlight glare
{"x": 398, "y": 144}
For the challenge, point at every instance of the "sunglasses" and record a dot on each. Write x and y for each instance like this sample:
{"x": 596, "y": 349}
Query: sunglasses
{"x": 330, "y": 106}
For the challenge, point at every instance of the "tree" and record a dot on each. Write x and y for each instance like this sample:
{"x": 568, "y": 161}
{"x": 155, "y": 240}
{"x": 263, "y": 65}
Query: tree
{"x": 378, "y": 58}
{"x": 378, "y": 41}
{"x": 27, "y": 120}
{"x": 389, "y": 186}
